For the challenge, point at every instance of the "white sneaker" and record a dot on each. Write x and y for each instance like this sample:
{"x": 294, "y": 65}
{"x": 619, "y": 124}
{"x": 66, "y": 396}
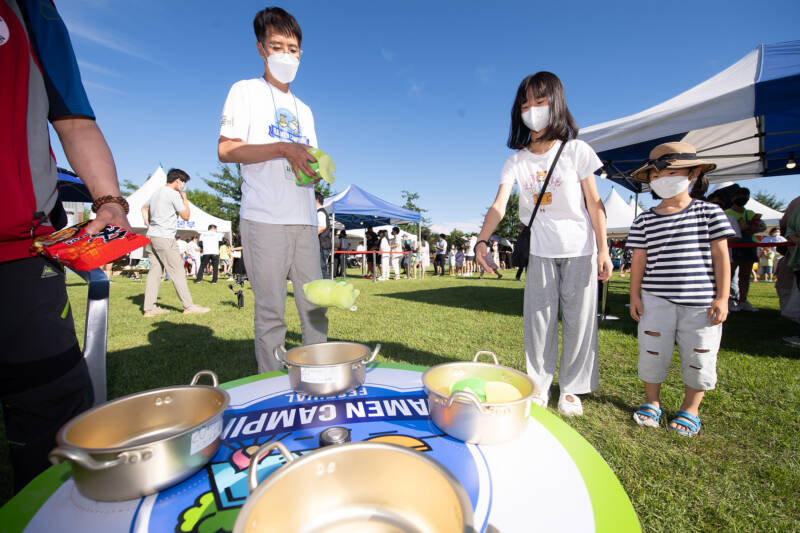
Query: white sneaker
{"x": 570, "y": 405}
{"x": 747, "y": 306}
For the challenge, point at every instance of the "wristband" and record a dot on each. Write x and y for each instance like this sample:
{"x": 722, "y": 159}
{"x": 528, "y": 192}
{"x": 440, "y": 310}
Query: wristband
{"x": 100, "y": 202}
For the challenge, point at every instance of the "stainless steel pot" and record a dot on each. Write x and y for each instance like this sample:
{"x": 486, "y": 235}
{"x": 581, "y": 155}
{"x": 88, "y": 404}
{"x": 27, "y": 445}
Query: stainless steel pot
{"x": 357, "y": 487}
{"x": 327, "y": 368}
{"x": 463, "y": 416}
{"x": 142, "y": 443}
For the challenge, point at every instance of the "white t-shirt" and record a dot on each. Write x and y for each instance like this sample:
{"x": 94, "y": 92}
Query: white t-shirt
{"x": 193, "y": 248}
{"x": 322, "y": 220}
{"x": 562, "y": 227}
{"x": 471, "y": 245}
{"x": 181, "y": 246}
{"x": 384, "y": 245}
{"x": 258, "y": 113}
{"x": 397, "y": 242}
{"x": 210, "y": 240}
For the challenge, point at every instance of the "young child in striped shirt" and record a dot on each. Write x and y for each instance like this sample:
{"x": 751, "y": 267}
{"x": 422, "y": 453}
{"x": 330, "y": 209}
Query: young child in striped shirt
{"x": 680, "y": 282}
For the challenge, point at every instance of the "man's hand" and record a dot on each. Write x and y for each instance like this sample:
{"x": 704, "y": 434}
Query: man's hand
{"x": 636, "y": 307}
{"x": 109, "y": 213}
{"x": 297, "y": 155}
{"x": 718, "y": 311}
{"x": 604, "y": 266}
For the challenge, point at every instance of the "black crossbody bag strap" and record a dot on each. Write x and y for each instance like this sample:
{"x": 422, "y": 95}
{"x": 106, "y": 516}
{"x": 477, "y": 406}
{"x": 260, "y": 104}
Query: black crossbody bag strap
{"x": 546, "y": 181}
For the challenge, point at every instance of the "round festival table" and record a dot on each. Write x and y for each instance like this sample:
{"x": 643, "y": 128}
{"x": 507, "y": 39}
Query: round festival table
{"x": 548, "y": 479}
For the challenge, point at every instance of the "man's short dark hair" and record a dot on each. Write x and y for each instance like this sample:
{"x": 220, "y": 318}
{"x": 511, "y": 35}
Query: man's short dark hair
{"x": 212, "y": 226}
{"x": 279, "y": 20}
{"x": 395, "y": 230}
{"x": 177, "y": 174}
{"x": 318, "y": 195}
{"x": 442, "y": 235}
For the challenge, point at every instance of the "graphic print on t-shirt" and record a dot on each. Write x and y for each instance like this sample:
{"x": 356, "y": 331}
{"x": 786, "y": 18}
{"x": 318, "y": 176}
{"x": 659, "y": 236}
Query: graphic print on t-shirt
{"x": 534, "y": 183}
{"x": 287, "y": 127}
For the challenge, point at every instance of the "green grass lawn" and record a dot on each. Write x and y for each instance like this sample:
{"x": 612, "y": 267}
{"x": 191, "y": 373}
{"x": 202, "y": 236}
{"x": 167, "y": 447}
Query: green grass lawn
{"x": 740, "y": 474}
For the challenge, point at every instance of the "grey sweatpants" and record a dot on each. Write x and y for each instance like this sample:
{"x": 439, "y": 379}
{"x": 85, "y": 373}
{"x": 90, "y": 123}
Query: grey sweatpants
{"x": 163, "y": 254}
{"x": 272, "y": 252}
{"x": 571, "y": 285}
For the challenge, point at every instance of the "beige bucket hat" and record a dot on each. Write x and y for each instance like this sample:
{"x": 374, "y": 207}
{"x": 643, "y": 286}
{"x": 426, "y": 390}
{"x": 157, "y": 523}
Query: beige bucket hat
{"x": 671, "y": 155}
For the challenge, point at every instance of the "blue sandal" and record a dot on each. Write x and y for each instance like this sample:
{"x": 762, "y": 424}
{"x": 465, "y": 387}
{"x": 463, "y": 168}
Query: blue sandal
{"x": 688, "y": 424}
{"x": 652, "y": 414}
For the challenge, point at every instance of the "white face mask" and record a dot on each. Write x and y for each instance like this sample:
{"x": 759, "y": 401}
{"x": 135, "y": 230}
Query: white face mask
{"x": 537, "y": 117}
{"x": 669, "y": 186}
{"x": 283, "y": 67}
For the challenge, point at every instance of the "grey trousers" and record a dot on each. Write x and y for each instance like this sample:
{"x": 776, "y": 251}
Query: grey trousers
{"x": 571, "y": 285}
{"x": 164, "y": 255}
{"x": 272, "y": 252}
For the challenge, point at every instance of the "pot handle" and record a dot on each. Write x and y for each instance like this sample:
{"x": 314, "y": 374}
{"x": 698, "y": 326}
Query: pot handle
{"x": 278, "y": 358}
{"x": 196, "y": 378}
{"x": 478, "y": 354}
{"x": 465, "y": 395}
{"x": 80, "y": 457}
{"x": 371, "y": 357}
{"x": 252, "y": 477}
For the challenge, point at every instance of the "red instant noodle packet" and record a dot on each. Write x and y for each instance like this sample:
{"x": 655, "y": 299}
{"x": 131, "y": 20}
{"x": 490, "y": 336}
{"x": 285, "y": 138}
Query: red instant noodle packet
{"x": 77, "y": 249}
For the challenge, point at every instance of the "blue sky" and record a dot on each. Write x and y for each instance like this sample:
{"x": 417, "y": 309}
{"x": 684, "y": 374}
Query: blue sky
{"x": 408, "y": 95}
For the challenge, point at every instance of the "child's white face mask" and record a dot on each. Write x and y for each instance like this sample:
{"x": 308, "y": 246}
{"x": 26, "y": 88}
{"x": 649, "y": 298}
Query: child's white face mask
{"x": 669, "y": 186}
{"x": 537, "y": 117}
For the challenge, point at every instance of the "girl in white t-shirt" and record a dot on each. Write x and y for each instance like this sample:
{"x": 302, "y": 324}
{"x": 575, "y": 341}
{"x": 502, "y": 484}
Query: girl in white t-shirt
{"x": 424, "y": 257}
{"x": 568, "y": 248}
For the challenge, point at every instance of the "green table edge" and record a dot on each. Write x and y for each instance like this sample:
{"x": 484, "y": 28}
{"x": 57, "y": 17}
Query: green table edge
{"x": 611, "y": 507}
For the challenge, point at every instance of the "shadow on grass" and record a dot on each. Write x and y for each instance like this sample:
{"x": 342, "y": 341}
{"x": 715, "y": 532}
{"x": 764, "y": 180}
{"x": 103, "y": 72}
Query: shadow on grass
{"x": 757, "y": 334}
{"x": 501, "y": 299}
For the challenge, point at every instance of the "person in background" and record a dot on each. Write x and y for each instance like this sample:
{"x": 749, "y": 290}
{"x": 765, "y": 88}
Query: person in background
{"x": 680, "y": 280}
{"x": 460, "y": 262}
{"x": 194, "y": 253}
{"x": 749, "y": 223}
{"x": 625, "y": 260}
{"x": 568, "y": 247}
{"x": 383, "y": 246}
{"x": 210, "y": 241}
{"x": 496, "y": 257}
{"x": 44, "y": 381}
{"x": 441, "y": 254}
{"x": 181, "y": 250}
{"x": 160, "y": 214}
{"x": 396, "y": 246}
{"x": 236, "y": 254}
{"x": 469, "y": 259}
{"x": 373, "y": 245}
{"x": 425, "y": 257}
{"x": 766, "y": 256}
{"x": 415, "y": 259}
{"x": 342, "y": 245}
{"x": 451, "y": 260}
{"x": 267, "y": 130}
{"x": 324, "y": 233}
{"x": 786, "y": 284}
{"x": 225, "y": 257}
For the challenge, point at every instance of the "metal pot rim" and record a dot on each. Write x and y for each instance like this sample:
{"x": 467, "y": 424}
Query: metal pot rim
{"x": 61, "y": 439}
{"x": 283, "y": 471}
{"x": 438, "y": 394}
{"x": 285, "y": 359}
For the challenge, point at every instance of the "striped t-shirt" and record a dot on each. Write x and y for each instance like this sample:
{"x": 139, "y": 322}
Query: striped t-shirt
{"x": 679, "y": 251}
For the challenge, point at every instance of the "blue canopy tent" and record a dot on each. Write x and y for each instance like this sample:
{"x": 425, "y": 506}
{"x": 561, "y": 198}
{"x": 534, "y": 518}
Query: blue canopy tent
{"x": 746, "y": 119}
{"x": 355, "y": 208}
{"x": 71, "y": 188}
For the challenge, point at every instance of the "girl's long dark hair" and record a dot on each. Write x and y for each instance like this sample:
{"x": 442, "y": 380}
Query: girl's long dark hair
{"x": 562, "y": 124}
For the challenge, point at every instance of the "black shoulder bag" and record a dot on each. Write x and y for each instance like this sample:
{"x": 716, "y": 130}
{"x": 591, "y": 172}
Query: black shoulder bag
{"x": 523, "y": 246}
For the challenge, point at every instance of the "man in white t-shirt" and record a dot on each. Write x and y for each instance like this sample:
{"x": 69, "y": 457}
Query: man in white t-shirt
{"x": 267, "y": 130}
{"x": 210, "y": 240}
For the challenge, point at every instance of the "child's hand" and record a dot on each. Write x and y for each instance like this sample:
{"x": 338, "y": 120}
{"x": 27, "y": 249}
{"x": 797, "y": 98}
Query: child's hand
{"x": 636, "y": 307}
{"x": 718, "y": 311}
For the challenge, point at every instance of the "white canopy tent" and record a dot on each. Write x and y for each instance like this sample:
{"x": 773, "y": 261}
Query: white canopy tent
{"x": 198, "y": 221}
{"x": 619, "y": 214}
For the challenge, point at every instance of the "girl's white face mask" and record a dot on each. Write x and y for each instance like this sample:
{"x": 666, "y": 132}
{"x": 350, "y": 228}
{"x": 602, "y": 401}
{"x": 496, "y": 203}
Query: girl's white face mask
{"x": 669, "y": 186}
{"x": 537, "y": 117}
{"x": 283, "y": 67}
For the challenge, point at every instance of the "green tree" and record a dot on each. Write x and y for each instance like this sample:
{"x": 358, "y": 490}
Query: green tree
{"x": 208, "y": 202}
{"x": 411, "y": 203}
{"x": 770, "y": 200}
{"x": 456, "y": 238}
{"x": 509, "y": 226}
{"x": 324, "y": 187}
{"x": 128, "y": 187}
{"x": 226, "y": 182}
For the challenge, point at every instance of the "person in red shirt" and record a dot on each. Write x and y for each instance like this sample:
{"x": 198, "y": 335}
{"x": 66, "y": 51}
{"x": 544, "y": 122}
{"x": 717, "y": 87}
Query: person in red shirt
{"x": 44, "y": 380}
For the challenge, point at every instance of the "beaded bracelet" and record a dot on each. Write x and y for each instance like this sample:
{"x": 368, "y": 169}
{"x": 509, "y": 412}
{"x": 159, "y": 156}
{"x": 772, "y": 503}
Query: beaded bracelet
{"x": 111, "y": 200}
